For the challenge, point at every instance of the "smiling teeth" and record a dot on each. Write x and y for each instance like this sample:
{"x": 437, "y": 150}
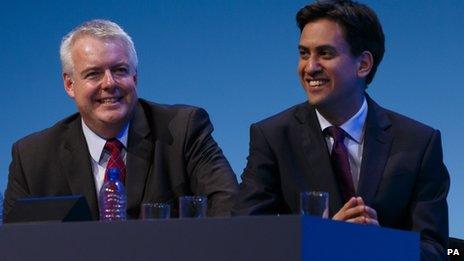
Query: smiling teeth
{"x": 316, "y": 83}
{"x": 109, "y": 100}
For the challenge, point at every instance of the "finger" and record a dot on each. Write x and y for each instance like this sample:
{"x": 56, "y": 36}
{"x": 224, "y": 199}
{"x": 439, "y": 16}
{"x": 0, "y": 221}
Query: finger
{"x": 350, "y": 204}
{"x": 357, "y": 220}
{"x": 371, "y": 221}
{"x": 356, "y": 212}
{"x": 351, "y": 213}
{"x": 371, "y": 213}
{"x": 364, "y": 221}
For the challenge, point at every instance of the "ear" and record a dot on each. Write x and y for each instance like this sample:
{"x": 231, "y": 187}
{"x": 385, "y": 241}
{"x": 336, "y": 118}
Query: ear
{"x": 365, "y": 63}
{"x": 135, "y": 78}
{"x": 68, "y": 85}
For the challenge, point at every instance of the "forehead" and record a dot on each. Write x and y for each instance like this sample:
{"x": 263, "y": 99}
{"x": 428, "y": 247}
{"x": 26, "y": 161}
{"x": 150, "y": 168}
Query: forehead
{"x": 88, "y": 49}
{"x": 322, "y": 32}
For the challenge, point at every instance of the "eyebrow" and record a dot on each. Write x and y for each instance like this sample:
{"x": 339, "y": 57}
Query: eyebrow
{"x": 327, "y": 47}
{"x": 319, "y": 48}
{"x": 120, "y": 64}
{"x": 94, "y": 68}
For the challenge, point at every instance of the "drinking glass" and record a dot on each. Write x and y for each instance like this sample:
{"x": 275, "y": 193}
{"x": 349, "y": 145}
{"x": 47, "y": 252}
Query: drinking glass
{"x": 314, "y": 203}
{"x": 155, "y": 211}
{"x": 192, "y": 206}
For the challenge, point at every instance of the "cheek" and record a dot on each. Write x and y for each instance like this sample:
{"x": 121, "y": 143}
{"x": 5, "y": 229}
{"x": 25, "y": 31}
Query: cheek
{"x": 343, "y": 70}
{"x": 300, "y": 67}
{"x": 130, "y": 93}
{"x": 85, "y": 95}
{"x": 128, "y": 85}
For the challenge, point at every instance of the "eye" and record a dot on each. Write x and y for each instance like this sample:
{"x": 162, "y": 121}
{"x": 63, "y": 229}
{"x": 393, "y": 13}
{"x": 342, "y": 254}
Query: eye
{"x": 121, "y": 71}
{"x": 326, "y": 54}
{"x": 92, "y": 75}
{"x": 303, "y": 54}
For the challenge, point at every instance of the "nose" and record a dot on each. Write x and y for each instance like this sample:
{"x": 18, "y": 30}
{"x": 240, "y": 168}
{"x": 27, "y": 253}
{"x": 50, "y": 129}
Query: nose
{"x": 108, "y": 80}
{"x": 312, "y": 66}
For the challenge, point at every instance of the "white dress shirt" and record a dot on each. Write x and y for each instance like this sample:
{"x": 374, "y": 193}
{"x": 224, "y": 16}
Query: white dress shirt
{"x": 98, "y": 155}
{"x": 354, "y": 143}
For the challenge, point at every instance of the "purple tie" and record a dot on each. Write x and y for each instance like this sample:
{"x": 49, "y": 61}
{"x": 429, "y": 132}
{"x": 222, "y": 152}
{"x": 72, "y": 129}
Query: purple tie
{"x": 340, "y": 163}
{"x": 114, "y": 147}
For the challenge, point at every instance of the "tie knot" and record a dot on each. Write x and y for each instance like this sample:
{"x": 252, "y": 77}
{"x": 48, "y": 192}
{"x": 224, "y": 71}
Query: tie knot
{"x": 113, "y": 146}
{"x": 337, "y": 133}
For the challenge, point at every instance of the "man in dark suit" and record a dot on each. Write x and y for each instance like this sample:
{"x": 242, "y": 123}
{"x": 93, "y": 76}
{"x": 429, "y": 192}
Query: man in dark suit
{"x": 379, "y": 167}
{"x": 166, "y": 151}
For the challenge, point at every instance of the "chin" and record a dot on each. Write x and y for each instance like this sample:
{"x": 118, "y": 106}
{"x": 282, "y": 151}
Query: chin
{"x": 313, "y": 100}
{"x": 113, "y": 118}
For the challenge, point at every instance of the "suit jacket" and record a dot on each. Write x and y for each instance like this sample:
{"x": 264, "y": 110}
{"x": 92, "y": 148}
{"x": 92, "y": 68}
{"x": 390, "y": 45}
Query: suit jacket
{"x": 170, "y": 152}
{"x": 402, "y": 173}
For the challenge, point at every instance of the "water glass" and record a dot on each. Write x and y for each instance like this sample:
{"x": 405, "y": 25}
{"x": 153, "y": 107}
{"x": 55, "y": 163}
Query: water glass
{"x": 192, "y": 206}
{"x": 314, "y": 203}
{"x": 155, "y": 211}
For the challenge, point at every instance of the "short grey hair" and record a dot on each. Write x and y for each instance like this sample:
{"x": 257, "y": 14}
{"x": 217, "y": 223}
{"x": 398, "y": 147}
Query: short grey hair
{"x": 101, "y": 29}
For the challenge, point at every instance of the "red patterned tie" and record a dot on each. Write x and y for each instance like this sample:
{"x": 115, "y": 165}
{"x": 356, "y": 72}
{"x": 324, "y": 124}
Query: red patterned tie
{"x": 114, "y": 147}
{"x": 340, "y": 163}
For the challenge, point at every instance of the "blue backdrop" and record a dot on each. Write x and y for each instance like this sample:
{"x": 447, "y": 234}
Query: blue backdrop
{"x": 237, "y": 59}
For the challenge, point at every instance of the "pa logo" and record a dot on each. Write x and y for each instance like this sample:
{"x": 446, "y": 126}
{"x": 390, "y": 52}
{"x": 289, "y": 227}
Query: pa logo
{"x": 453, "y": 252}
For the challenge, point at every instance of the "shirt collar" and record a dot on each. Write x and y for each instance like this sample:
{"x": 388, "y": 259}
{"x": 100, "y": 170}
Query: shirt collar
{"x": 96, "y": 143}
{"x": 353, "y": 126}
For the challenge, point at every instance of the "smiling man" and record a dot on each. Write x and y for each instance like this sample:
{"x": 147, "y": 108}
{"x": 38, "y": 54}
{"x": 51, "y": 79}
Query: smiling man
{"x": 379, "y": 167}
{"x": 163, "y": 151}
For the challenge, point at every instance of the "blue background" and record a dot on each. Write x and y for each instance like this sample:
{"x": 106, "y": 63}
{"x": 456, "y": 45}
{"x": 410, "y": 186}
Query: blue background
{"x": 237, "y": 59}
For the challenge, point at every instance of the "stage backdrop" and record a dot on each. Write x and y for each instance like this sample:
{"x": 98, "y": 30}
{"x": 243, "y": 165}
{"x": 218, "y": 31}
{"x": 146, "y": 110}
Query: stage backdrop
{"x": 237, "y": 59}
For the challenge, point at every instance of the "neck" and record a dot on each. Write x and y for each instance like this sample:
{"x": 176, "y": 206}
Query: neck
{"x": 337, "y": 114}
{"x": 107, "y": 131}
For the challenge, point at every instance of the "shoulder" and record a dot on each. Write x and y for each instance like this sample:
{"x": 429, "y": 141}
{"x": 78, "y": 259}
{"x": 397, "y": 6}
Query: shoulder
{"x": 410, "y": 131}
{"x": 408, "y": 122}
{"x": 157, "y": 110}
{"x": 403, "y": 124}
{"x": 173, "y": 120}
{"x": 285, "y": 117}
{"x": 49, "y": 136}
{"x": 405, "y": 130}
{"x": 282, "y": 117}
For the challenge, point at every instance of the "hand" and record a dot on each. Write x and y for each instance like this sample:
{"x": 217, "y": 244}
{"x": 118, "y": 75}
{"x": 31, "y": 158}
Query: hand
{"x": 355, "y": 211}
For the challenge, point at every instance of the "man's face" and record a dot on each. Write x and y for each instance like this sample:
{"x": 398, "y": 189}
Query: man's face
{"x": 103, "y": 83}
{"x": 331, "y": 76}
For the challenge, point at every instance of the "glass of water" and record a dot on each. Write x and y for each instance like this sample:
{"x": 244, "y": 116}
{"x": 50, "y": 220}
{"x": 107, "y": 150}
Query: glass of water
{"x": 314, "y": 203}
{"x": 192, "y": 206}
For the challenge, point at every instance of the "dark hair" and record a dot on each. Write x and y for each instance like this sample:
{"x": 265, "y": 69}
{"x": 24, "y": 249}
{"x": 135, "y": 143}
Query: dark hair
{"x": 359, "y": 23}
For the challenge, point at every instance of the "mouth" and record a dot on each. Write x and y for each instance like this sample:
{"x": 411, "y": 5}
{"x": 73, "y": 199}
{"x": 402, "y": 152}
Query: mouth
{"x": 316, "y": 83}
{"x": 109, "y": 100}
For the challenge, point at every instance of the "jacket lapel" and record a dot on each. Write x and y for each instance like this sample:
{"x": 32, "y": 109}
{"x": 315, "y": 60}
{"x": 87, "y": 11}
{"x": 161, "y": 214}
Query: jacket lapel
{"x": 318, "y": 173}
{"x": 377, "y": 143}
{"x": 76, "y": 164}
{"x": 139, "y": 152}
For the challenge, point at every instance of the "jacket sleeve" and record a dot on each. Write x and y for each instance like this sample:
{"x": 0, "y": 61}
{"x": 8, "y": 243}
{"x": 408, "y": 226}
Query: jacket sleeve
{"x": 429, "y": 207}
{"x": 209, "y": 171}
{"x": 260, "y": 191}
{"x": 17, "y": 186}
